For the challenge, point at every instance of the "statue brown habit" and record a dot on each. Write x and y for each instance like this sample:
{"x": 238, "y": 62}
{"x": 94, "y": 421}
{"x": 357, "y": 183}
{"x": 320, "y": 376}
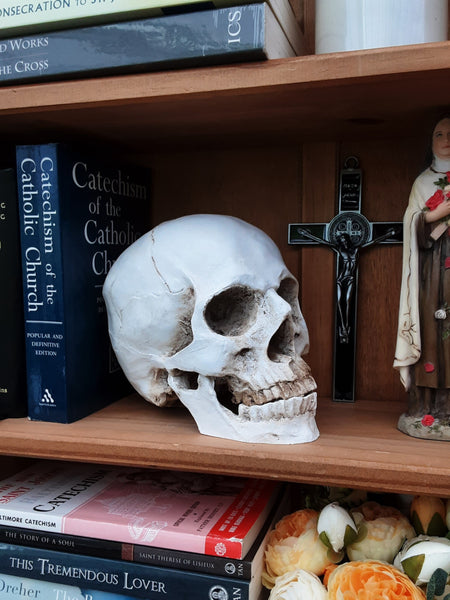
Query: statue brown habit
{"x": 423, "y": 341}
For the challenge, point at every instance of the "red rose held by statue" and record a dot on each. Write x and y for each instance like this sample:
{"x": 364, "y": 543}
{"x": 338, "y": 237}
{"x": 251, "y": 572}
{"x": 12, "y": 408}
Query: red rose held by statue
{"x": 436, "y": 199}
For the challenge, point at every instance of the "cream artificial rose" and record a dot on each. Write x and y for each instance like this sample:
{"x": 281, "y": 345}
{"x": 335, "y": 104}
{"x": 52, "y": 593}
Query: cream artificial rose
{"x": 295, "y": 544}
{"x": 298, "y": 585}
{"x": 385, "y": 528}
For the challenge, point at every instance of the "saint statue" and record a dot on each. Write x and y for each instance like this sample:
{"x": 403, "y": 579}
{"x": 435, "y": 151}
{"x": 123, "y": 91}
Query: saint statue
{"x": 422, "y": 354}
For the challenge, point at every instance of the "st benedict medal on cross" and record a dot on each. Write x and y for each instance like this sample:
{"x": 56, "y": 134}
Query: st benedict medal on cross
{"x": 346, "y": 234}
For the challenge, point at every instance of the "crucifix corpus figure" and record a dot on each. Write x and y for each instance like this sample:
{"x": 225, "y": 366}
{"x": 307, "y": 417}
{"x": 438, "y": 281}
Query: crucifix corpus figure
{"x": 348, "y": 254}
{"x": 347, "y": 234}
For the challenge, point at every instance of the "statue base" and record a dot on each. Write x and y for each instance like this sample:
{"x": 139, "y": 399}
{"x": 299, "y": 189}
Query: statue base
{"x": 426, "y": 427}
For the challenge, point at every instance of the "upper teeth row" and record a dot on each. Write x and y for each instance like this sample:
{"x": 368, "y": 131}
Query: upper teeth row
{"x": 280, "y": 390}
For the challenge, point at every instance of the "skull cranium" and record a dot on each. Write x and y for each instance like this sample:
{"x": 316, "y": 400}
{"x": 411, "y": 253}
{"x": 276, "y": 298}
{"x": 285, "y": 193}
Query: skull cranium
{"x": 203, "y": 309}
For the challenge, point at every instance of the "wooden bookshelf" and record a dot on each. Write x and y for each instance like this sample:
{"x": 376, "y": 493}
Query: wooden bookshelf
{"x": 315, "y": 97}
{"x": 282, "y": 129}
{"x": 359, "y": 446}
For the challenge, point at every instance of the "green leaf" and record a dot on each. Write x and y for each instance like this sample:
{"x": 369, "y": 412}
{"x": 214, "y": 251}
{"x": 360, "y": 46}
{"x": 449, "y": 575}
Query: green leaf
{"x": 413, "y": 566}
{"x": 431, "y": 589}
{"x": 441, "y": 182}
{"x": 417, "y": 523}
{"x": 437, "y": 526}
{"x": 335, "y": 557}
{"x": 362, "y": 533}
{"x": 324, "y": 539}
{"x": 350, "y": 536}
{"x": 439, "y": 579}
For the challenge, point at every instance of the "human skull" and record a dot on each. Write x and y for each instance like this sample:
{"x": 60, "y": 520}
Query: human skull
{"x": 203, "y": 309}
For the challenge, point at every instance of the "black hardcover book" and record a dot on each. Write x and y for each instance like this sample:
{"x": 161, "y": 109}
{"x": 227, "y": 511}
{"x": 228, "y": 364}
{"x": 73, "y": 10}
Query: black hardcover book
{"x": 78, "y": 211}
{"x": 13, "y": 399}
{"x": 214, "y": 36}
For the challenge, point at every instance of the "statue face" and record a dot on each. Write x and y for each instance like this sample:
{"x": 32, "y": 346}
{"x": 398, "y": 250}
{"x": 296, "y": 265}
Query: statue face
{"x": 441, "y": 139}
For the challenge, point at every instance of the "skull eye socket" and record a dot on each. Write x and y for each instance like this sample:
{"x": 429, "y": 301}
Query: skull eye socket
{"x": 288, "y": 290}
{"x": 232, "y": 311}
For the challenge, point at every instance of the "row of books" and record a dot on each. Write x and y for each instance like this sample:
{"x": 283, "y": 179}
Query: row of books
{"x": 66, "y": 215}
{"x": 75, "y": 38}
{"x": 80, "y": 532}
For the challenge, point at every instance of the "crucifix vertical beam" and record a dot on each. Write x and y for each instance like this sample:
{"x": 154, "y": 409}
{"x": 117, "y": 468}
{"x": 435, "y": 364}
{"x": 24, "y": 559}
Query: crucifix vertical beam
{"x": 347, "y": 234}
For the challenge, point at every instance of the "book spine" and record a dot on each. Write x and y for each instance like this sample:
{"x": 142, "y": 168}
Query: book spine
{"x": 23, "y": 587}
{"x": 200, "y": 563}
{"x": 119, "y": 577}
{"x": 227, "y": 535}
{"x": 42, "y": 280}
{"x": 12, "y": 343}
{"x": 209, "y": 37}
{"x": 18, "y": 17}
{"x": 162, "y": 557}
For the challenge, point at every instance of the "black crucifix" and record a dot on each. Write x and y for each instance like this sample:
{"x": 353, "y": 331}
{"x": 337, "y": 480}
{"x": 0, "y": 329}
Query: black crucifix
{"x": 346, "y": 234}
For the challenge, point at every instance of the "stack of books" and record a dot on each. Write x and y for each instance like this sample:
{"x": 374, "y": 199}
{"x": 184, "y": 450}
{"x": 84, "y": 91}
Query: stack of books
{"x": 97, "y": 532}
{"x": 74, "y": 38}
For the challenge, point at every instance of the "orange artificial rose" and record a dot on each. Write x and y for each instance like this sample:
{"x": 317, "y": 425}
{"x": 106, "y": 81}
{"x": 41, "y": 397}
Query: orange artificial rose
{"x": 371, "y": 580}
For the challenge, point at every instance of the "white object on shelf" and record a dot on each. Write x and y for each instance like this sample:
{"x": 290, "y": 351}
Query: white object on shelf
{"x": 343, "y": 25}
{"x": 204, "y": 309}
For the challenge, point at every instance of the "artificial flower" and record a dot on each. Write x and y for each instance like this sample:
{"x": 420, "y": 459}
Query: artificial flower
{"x": 294, "y": 544}
{"x": 327, "y": 573}
{"x": 371, "y": 580}
{"x": 383, "y": 529}
{"x": 336, "y": 527}
{"x": 421, "y": 556}
{"x": 427, "y": 421}
{"x": 427, "y": 513}
{"x": 436, "y": 199}
{"x": 298, "y": 585}
{"x": 441, "y": 313}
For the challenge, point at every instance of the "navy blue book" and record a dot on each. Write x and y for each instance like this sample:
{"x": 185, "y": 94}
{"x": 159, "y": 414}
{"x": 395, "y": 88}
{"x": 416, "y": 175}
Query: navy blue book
{"x": 122, "y": 577}
{"x": 214, "y": 36}
{"x": 12, "y": 344}
{"x": 12, "y": 587}
{"x": 78, "y": 212}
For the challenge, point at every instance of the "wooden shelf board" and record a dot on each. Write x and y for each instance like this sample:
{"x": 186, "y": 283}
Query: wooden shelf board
{"x": 359, "y": 446}
{"x": 376, "y": 91}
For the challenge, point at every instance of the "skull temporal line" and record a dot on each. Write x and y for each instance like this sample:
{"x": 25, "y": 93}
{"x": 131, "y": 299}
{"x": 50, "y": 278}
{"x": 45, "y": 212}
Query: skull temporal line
{"x": 203, "y": 309}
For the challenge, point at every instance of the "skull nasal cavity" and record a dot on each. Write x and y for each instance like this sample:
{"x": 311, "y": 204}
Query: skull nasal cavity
{"x": 281, "y": 343}
{"x": 232, "y": 311}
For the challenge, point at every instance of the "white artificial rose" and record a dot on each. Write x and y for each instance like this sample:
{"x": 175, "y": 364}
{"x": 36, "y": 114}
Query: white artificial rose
{"x": 298, "y": 585}
{"x": 440, "y": 314}
{"x": 336, "y": 527}
{"x": 421, "y": 556}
